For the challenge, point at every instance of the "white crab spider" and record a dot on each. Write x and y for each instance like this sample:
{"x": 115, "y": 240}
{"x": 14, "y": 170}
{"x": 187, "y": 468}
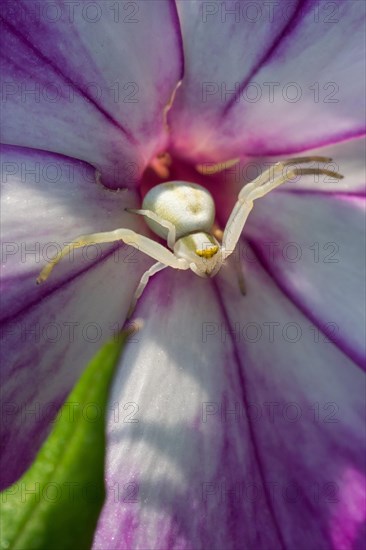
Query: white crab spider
{"x": 184, "y": 213}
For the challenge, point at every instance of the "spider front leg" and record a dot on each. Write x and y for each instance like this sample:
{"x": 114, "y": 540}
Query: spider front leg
{"x": 234, "y": 226}
{"x": 142, "y": 243}
{"x": 171, "y": 238}
{"x": 262, "y": 185}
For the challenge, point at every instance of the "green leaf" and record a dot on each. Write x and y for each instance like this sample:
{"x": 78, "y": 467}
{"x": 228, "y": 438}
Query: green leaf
{"x": 56, "y": 503}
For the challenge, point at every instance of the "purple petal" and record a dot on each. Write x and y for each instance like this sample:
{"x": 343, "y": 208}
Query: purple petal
{"x": 183, "y": 470}
{"x": 314, "y": 248}
{"x": 311, "y": 435}
{"x": 264, "y": 79}
{"x": 48, "y": 201}
{"x": 90, "y": 81}
{"x": 49, "y": 332}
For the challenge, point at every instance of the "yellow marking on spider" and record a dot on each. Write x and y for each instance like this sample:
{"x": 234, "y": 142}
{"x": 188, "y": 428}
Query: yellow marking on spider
{"x": 208, "y": 252}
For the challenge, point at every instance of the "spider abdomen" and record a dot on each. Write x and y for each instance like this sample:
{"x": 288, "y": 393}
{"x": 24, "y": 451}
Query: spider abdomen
{"x": 189, "y": 206}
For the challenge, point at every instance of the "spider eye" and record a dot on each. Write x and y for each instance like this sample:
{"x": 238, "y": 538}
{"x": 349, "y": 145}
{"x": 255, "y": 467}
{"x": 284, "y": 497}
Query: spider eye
{"x": 207, "y": 252}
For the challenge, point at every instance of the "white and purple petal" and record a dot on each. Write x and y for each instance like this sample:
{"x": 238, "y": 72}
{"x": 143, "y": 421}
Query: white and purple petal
{"x": 263, "y": 79}
{"x": 208, "y": 418}
{"x": 313, "y": 245}
{"x": 50, "y": 332}
{"x": 90, "y": 80}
